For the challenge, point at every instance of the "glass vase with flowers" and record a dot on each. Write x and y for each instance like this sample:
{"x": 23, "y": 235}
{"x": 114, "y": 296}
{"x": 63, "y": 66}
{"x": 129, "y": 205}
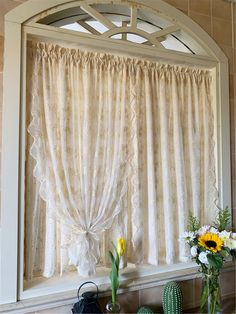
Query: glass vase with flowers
{"x": 209, "y": 246}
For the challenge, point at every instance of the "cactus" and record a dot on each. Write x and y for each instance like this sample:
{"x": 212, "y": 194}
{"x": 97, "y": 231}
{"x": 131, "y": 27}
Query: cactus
{"x": 172, "y": 298}
{"x": 145, "y": 310}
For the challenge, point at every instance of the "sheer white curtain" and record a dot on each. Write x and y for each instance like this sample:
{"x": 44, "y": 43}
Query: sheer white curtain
{"x": 120, "y": 146}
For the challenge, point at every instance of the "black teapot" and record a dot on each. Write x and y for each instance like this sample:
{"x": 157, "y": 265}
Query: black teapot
{"x": 88, "y": 302}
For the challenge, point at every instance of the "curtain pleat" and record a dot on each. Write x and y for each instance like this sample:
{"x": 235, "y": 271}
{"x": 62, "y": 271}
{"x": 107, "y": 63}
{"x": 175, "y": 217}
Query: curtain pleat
{"x": 117, "y": 146}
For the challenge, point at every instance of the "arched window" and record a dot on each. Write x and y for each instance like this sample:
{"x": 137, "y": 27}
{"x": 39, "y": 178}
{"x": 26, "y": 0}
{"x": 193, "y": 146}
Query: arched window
{"x": 147, "y": 30}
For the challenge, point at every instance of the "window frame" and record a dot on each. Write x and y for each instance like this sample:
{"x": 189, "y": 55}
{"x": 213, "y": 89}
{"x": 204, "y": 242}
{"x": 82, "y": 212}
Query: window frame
{"x": 17, "y": 32}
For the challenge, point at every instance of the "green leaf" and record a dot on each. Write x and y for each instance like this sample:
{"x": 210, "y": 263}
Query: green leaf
{"x": 215, "y": 261}
{"x": 223, "y": 219}
{"x": 227, "y": 250}
{"x": 111, "y": 257}
{"x": 193, "y": 223}
{"x": 117, "y": 258}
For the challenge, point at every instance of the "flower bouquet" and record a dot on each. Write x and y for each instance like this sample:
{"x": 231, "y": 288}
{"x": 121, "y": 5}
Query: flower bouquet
{"x": 114, "y": 307}
{"x": 210, "y": 245}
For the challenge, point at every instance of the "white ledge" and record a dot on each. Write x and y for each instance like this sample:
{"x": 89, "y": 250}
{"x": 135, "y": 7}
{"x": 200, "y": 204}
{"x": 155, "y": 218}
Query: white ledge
{"x": 132, "y": 279}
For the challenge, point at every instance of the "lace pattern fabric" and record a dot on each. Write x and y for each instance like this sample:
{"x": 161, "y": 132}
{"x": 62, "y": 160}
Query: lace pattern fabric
{"x": 115, "y": 142}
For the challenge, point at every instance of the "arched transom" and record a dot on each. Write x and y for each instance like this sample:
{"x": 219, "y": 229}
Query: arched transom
{"x": 125, "y": 21}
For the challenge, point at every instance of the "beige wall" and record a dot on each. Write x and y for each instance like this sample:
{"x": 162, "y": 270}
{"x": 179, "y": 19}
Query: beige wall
{"x": 218, "y": 19}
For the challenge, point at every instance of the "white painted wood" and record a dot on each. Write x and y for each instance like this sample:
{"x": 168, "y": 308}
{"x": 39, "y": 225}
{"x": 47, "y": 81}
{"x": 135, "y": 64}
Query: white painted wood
{"x": 124, "y": 35}
{"x": 47, "y": 33}
{"x": 224, "y": 170}
{"x": 168, "y": 30}
{"x": 134, "y": 16}
{"x": 10, "y": 164}
{"x": 98, "y": 16}
{"x": 32, "y": 8}
{"x": 128, "y": 29}
{"x": 22, "y": 152}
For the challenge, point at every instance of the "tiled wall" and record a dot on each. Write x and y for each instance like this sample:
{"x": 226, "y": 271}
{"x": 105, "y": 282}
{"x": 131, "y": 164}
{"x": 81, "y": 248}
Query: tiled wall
{"x": 218, "y": 19}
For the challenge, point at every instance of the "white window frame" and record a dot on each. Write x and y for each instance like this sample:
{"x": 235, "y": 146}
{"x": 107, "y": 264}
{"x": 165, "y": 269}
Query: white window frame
{"x": 17, "y": 31}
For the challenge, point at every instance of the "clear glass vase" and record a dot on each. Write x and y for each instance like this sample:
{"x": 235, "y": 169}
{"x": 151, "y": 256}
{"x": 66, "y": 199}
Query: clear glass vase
{"x": 211, "y": 295}
{"x": 113, "y": 308}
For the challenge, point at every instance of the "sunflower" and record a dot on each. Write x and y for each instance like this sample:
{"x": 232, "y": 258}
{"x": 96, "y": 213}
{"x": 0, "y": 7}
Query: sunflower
{"x": 211, "y": 242}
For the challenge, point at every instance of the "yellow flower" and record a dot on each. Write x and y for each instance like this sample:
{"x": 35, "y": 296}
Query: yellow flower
{"x": 121, "y": 246}
{"x": 211, "y": 242}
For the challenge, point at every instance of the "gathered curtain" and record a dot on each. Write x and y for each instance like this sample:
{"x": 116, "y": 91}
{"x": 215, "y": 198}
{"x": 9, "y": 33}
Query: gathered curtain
{"x": 117, "y": 146}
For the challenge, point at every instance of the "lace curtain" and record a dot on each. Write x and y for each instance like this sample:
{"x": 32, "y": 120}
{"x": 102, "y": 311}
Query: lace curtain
{"x": 117, "y": 146}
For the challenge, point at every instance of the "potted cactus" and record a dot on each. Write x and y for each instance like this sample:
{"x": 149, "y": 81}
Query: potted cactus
{"x": 172, "y": 298}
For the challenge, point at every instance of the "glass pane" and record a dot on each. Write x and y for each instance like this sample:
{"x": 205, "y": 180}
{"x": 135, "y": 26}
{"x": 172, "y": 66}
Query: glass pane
{"x": 147, "y": 27}
{"x": 118, "y": 36}
{"x": 174, "y": 44}
{"x": 135, "y": 38}
{"x": 75, "y": 27}
{"x": 98, "y": 26}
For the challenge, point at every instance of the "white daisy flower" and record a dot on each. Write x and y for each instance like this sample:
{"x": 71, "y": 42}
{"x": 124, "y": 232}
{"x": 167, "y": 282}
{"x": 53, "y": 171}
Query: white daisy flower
{"x": 204, "y": 229}
{"x": 230, "y": 243}
{"x": 233, "y": 235}
{"x": 203, "y": 258}
{"x": 213, "y": 230}
{"x": 187, "y": 236}
{"x": 224, "y": 235}
{"x": 193, "y": 251}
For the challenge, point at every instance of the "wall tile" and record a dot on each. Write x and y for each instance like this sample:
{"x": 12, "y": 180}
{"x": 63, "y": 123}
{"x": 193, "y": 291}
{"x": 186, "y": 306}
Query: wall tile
{"x": 57, "y": 310}
{"x": 234, "y": 219}
{"x": 187, "y": 287}
{"x": 233, "y": 126}
{"x": 1, "y": 52}
{"x": 233, "y": 188}
{"x": 6, "y": 6}
{"x": 234, "y": 50}
{"x": 200, "y": 6}
{"x": 197, "y": 289}
{"x": 203, "y": 20}
{"x": 103, "y": 302}
{"x": 151, "y": 297}
{"x": 234, "y": 30}
{"x": 179, "y": 4}
{"x": 222, "y": 32}
{"x": 227, "y": 282}
{"x": 129, "y": 302}
{"x": 234, "y": 10}
{"x": 221, "y": 9}
{"x": 229, "y": 52}
{"x": 233, "y": 170}
{"x": 231, "y": 86}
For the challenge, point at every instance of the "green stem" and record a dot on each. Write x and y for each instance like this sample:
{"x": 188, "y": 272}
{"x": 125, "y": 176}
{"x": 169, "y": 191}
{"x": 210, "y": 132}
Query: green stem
{"x": 210, "y": 293}
{"x": 113, "y": 295}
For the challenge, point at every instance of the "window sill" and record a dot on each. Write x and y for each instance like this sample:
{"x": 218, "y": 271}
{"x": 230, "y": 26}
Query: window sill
{"x": 56, "y": 292}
